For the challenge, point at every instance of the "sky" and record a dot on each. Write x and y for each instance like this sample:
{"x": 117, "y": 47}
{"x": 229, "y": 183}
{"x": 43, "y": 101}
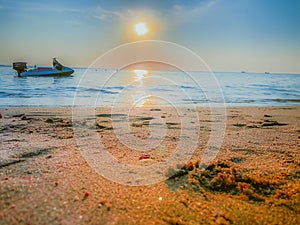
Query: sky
{"x": 229, "y": 35}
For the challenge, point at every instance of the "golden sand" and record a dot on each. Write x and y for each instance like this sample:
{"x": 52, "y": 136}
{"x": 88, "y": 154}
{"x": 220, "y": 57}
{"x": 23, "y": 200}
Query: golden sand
{"x": 255, "y": 178}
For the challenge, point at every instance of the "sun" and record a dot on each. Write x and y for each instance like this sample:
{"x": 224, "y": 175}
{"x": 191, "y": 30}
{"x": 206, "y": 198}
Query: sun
{"x": 141, "y": 28}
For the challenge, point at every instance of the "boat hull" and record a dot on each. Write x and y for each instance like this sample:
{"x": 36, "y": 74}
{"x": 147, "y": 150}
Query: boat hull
{"x": 65, "y": 71}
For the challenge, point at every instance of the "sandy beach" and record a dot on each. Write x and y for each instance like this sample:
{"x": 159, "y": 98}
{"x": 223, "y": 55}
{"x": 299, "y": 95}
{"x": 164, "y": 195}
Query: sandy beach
{"x": 254, "y": 179}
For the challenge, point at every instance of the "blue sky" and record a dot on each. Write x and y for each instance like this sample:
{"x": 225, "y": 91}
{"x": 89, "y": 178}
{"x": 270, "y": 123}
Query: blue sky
{"x": 230, "y": 35}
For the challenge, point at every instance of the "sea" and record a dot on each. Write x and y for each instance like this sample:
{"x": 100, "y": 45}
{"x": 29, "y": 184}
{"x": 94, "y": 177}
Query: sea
{"x": 111, "y": 87}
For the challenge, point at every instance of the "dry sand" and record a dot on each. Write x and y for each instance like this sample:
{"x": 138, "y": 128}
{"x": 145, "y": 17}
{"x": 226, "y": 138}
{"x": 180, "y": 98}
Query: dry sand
{"x": 253, "y": 180}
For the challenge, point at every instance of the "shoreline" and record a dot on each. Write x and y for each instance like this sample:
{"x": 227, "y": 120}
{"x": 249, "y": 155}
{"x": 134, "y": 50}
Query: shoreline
{"x": 238, "y": 105}
{"x": 253, "y": 179}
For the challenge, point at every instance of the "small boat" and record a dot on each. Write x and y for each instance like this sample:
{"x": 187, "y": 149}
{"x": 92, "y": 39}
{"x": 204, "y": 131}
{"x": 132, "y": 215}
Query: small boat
{"x": 57, "y": 70}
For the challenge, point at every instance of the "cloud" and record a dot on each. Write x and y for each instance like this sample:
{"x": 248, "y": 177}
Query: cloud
{"x": 176, "y": 13}
{"x": 104, "y": 15}
{"x": 128, "y": 15}
{"x": 185, "y": 14}
{"x": 42, "y": 7}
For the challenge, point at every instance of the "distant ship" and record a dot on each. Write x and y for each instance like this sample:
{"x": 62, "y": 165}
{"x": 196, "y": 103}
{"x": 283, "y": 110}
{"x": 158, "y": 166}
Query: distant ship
{"x": 243, "y": 71}
{"x": 267, "y": 73}
{"x": 57, "y": 69}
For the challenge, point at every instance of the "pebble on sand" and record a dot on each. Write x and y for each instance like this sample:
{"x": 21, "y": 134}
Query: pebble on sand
{"x": 144, "y": 156}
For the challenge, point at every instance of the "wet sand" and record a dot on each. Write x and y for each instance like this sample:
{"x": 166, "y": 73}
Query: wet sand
{"x": 255, "y": 178}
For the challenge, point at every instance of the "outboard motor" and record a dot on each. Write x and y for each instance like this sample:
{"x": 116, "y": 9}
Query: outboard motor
{"x": 20, "y": 67}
